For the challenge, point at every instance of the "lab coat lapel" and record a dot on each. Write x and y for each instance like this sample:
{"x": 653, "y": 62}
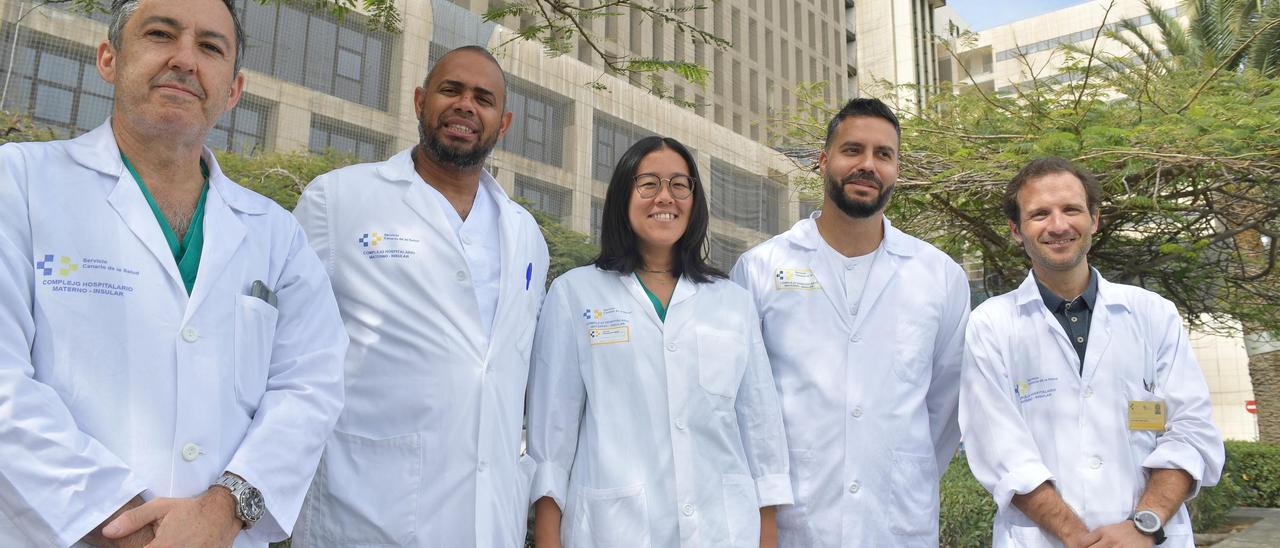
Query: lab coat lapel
{"x": 883, "y": 268}
{"x": 98, "y": 150}
{"x": 516, "y": 272}
{"x": 1028, "y": 295}
{"x": 633, "y": 287}
{"x": 127, "y": 199}
{"x": 400, "y": 168}
{"x": 223, "y": 232}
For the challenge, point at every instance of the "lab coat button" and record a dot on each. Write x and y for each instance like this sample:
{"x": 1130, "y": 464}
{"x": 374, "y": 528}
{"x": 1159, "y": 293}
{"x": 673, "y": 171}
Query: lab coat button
{"x": 466, "y": 239}
{"x": 482, "y": 466}
{"x": 671, "y": 347}
{"x": 679, "y": 424}
{"x": 1088, "y": 391}
{"x": 855, "y": 338}
{"x": 190, "y": 452}
{"x": 190, "y": 334}
{"x": 461, "y": 276}
{"x": 854, "y": 487}
{"x": 857, "y": 412}
{"x": 687, "y": 509}
{"x": 1095, "y": 462}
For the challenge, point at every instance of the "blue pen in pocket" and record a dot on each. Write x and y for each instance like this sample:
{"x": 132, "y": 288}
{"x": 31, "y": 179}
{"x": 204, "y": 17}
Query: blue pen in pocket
{"x": 528, "y": 276}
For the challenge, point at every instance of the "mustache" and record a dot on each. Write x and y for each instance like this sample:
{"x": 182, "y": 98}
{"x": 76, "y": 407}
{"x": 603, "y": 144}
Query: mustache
{"x": 180, "y": 79}
{"x": 863, "y": 176}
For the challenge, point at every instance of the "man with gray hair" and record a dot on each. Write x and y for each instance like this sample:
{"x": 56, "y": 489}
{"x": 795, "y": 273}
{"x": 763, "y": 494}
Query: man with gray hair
{"x": 170, "y": 348}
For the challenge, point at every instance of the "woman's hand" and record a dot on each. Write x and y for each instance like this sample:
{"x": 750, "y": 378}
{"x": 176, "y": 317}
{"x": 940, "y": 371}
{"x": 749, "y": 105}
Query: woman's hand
{"x": 546, "y": 523}
{"x": 769, "y": 527}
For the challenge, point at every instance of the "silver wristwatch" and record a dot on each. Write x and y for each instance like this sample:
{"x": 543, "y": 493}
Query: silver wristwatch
{"x": 249, "y": 504}
{"x": 1149, "y": 524}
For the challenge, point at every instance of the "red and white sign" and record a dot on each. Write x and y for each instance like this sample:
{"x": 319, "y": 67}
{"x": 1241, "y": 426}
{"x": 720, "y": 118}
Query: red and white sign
{"x": 1251, "y": 406}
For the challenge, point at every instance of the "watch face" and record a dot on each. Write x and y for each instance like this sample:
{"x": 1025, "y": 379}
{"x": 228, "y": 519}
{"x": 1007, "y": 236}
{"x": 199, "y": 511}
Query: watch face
{"x": 1147, "y": 521}
{"x": 251, "y": 505}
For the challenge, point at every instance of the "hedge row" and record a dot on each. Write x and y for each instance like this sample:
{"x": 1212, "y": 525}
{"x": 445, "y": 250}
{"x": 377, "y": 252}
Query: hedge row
{"x": 1251, "y": 478}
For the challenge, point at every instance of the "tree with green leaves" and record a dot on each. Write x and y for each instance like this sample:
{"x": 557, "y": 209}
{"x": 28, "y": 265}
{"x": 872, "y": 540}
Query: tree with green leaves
{"x": 1189, "y": 161}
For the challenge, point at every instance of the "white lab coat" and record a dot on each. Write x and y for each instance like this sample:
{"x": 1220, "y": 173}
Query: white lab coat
{"x": 113, "y": 382}
{"x": 649, "y": 433}
{"x": 427, "y": 450}
{"x": 1028, "y": 415}
{"x": 869, "y": 400}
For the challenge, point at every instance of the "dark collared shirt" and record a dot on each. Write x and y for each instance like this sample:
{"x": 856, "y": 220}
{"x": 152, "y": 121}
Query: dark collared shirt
{"x": 1073, "y": 315}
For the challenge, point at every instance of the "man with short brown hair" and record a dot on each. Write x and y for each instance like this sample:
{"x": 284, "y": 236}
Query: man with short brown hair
{"x": 1084, "y": 411}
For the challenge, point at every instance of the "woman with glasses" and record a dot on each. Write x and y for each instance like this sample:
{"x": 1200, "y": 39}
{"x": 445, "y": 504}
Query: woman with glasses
{"x": 652, "y": 412}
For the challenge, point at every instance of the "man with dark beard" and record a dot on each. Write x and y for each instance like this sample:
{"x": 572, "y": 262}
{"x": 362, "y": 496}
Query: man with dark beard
{"x": 439, "y": 278}
{"x": 864, "y": 326}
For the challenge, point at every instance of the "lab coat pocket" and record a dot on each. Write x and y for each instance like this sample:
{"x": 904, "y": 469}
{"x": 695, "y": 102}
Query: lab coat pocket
{"x": 613, "y": 518}
{"x": 914, "y": 481}
{"x": 741, "y": 511}
{"x": 722, "y": 359}
{"x": 366, "y": 490}
{"x": 913, "y": 350}
{"x": 255, "y": 329}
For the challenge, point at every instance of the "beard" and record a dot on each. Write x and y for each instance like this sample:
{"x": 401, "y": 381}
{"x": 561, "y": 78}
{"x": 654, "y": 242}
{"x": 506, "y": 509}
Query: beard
{"x": 448, "y": 154}
{"x": 853, "y": 207}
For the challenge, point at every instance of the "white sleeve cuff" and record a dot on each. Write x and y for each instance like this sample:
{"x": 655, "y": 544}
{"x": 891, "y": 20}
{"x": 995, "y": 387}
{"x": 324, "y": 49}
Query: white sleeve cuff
{"x": 1178, "y": 455}
{"x": 774, "y": 490}
{"x": 550, "y": 481}
{"x": 1019, "y": 481}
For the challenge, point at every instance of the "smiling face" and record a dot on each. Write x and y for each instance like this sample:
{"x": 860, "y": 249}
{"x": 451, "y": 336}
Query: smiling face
{"x": 460, "y": 109}
{"x": 860, "y": 166}
{"x": 1055, "y": 225}
{"x": 660, "y": 221}
{"x": 174, "y": 73}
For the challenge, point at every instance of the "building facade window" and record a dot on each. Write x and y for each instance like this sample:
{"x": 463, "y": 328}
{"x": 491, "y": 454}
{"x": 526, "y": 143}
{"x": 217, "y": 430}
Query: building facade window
{"x": 244, "y": 129}
{"x": 723, "y": 251}
{"x": 327, "y": 133}
{"x": 597, "y": 219}
{"x": 610, "y": 138}
{"x": 545, "y": 197}
{"x": 344, "y": 59}
{"x": 538, "y": 123}
{"x": 746, "y": 199}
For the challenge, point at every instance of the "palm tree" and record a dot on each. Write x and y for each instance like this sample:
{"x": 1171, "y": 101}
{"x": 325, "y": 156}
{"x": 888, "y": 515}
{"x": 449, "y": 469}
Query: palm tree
{"x": 1220, "y": 35}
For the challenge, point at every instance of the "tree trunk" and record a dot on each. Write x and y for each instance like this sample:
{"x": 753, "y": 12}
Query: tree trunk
{"x": 1264, "y": 370}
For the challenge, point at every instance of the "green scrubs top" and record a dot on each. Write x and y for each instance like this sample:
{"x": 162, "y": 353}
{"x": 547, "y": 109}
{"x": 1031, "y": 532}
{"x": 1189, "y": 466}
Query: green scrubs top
{"x": 657, "y": 303}
{"x": 187, "y": 251}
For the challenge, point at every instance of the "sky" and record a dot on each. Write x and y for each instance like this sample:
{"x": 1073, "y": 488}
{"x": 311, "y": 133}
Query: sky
{"x": 984, "y": 14}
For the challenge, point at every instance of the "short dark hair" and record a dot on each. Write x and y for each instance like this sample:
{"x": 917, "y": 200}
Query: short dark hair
{"x": 483, "y": 51}
{"x": 1049, "y": 165}
{"x": 862, "y": 106}
{"x": 619, "y": 250}
{"x": 122, "y": 11}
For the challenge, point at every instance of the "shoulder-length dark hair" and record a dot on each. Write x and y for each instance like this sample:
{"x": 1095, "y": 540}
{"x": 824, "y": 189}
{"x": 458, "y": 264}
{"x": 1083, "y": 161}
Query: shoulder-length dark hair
{"x": 619, "y": 250}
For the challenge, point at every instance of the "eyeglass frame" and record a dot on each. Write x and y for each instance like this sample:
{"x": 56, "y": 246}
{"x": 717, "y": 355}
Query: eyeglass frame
{"x": 670, "y": 189}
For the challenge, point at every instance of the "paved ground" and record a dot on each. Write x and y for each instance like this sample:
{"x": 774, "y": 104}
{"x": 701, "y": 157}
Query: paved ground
{"x": 1266, "y": 532}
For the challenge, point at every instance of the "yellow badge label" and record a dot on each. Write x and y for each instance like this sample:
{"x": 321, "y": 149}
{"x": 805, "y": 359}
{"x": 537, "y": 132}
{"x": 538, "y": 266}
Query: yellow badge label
{"x": 795, "y": 279}
{"x": 1147, "y": 415}
{"x": 610, "y": 335}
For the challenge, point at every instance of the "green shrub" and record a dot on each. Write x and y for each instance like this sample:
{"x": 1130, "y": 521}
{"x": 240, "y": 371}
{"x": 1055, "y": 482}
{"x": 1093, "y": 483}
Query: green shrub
{"x": 967, "y": 508}
{"x": 1256, "y": 468}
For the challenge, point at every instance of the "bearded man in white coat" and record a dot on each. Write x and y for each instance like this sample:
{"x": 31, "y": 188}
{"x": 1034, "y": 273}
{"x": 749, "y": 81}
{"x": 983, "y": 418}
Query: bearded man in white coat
{"x": 1084, "y": 411}
{"x": 439, "y": 277}
{"x": 864, "y": 327}
{"x": 170, "y": 348}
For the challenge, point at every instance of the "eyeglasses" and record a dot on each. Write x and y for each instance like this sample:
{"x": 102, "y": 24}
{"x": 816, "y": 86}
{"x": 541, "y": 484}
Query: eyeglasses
{"x": 648, "y": 185}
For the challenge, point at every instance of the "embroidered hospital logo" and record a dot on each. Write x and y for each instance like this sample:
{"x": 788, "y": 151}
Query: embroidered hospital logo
{"x": 63, "y": 266}
{"x": 592, "y": 314}
{"x": 795, "y": 279}
{"x": 1035, "y": 388}
{"x": 1022, "y": 389}
{"x": 370, "y": 239}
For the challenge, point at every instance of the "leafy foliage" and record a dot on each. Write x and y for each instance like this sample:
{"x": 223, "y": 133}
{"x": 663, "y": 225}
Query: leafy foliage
{"x": 558, "y": 24}
{"x": 1189, "y": 163}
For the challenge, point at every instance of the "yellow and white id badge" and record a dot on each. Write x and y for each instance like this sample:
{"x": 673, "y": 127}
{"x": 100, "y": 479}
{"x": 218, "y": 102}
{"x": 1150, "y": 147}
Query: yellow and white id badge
{"x": 1147, "y": 415}
{"x": 609, "y": 335}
